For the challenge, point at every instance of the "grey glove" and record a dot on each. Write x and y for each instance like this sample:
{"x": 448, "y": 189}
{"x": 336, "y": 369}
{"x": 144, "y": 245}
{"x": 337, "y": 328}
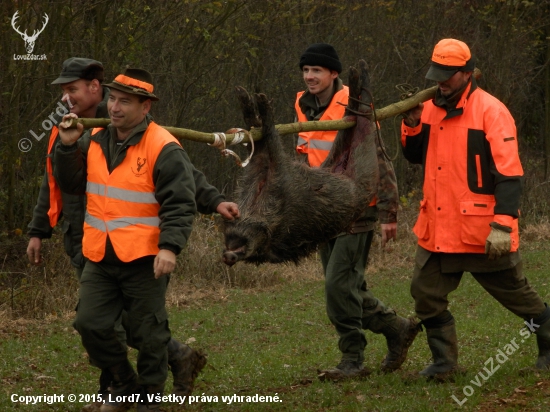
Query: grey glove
{"x": 499, "y": 241}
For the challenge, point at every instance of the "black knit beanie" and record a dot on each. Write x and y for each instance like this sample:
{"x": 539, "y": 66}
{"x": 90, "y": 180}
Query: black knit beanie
{"x": 321, "y": 54}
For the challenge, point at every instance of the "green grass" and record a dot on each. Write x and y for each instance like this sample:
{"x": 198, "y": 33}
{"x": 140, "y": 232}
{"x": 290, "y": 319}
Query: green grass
{"x": 273, "y": 341}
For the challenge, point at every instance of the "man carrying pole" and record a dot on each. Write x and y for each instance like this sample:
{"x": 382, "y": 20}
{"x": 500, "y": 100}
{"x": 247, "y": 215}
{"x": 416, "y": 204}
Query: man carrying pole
{"x": 351, "y": 306}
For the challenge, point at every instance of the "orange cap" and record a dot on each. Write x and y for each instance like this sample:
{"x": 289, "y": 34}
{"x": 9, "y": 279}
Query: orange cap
{"x": 451, "y": 52}
{"x": 448, "y": 57}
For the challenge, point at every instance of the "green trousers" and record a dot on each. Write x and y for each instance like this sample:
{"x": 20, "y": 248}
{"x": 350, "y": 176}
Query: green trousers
{"x": 351, "y": 306}
{"x": 430, "y": 288}
{"x": 107, "y": 290}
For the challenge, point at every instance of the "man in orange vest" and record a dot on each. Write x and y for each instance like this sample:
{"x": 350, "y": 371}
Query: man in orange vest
{"x": 140, "y": 192}
{"x": 351, "y": 306}
{"x": 80, "y": 81}
{"x": 466, "y": 141}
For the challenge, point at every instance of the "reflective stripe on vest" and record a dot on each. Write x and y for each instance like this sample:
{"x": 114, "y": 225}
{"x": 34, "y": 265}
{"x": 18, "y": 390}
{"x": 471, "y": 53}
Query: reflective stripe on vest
{"x": 121, "y": 194}
{"x": 56, "y": 202}
{"x": 122, "y": 204}
{"x": 317, "y": 144}
{"x": 120, "y": 223}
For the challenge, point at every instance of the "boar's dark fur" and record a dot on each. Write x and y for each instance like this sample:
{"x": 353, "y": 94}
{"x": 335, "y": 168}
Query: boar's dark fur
{"x": 288, "y": 208}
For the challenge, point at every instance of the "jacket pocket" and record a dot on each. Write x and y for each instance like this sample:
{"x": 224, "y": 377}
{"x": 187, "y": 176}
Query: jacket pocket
{"x": 422, "y": 226}
{"x": 476, "y": 216}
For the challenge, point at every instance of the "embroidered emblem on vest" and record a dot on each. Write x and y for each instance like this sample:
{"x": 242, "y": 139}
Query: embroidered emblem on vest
{"x": 140, "y": 163}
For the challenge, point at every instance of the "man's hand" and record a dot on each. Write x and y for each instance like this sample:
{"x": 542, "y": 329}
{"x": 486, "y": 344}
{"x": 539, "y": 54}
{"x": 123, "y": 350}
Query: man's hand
{"x": 499, "y": 241}
{"x": 165, "y": 262}
{"x": 412, "y": 116}
{"x": 69, "y": 136}
{"x": 228, "y": 210}
{"x": 33, "y": 250}
{"x": 389, "y": 232}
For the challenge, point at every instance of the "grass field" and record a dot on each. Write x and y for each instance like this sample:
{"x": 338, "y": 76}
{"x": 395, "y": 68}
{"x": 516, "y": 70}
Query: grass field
{"x": 271, "y": 341}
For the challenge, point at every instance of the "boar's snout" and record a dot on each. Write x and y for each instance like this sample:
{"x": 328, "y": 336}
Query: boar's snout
{"x": 230, "y": 258}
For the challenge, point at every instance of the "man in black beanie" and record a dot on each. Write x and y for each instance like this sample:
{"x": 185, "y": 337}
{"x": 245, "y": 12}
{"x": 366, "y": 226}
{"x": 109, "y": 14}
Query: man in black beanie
{"x": 351, "y": 306}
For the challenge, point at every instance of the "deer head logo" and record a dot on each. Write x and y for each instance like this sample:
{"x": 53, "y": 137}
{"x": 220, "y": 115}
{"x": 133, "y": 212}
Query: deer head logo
{"x": 140, "y": 163}
{"x": 29, "y": 40}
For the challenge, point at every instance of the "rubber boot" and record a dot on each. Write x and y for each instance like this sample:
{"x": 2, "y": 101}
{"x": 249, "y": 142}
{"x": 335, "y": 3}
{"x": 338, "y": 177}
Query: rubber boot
{"x": 543, "y": 340}
{"x": 444, "y": 347}
{"x": 185, "y": 364}
{"x": 124, "y": 388}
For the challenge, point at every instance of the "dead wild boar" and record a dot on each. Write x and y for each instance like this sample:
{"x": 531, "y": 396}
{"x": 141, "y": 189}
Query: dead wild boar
{"x": 288, "y": 208}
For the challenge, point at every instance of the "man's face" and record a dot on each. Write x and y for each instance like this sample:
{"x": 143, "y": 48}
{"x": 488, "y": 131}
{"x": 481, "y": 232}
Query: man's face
{"x": 125, "y": 109}
{"x": 80, "y": 95}
{"x": 454, "y": 83}
{"x": 318, "y": 79}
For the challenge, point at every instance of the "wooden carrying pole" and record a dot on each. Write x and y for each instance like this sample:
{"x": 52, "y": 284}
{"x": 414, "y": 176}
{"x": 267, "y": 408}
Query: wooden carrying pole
{"x": 389, "y": 111}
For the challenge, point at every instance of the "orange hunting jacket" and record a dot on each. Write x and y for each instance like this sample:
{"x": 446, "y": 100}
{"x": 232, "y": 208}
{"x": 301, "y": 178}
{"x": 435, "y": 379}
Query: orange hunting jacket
{"x": 472, "y": 172}
{"x": 122, "y": 203}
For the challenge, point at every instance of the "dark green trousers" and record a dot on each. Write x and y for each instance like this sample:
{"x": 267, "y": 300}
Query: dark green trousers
{"x": 430, "y": 288}
{"x": 107, "y": 290}
{"x": 351, "y": 306}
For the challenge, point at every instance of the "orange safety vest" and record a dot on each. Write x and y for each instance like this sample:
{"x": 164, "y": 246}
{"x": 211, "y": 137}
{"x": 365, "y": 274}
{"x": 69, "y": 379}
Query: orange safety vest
{"x": 457, "y": 209}
{"x": 122, "y": 204}
{"x": 317, "y": 144}
{"x": 56, "y": 202}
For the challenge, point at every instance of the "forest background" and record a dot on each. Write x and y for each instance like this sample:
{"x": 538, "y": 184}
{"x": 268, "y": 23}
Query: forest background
{"x": 198, "y": 51}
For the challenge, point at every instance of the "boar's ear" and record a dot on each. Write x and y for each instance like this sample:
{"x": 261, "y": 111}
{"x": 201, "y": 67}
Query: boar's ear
{"x": 247, "y": 107}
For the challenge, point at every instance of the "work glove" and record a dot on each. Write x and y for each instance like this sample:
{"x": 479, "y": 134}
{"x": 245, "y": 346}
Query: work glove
{"x": 499, "y": 241}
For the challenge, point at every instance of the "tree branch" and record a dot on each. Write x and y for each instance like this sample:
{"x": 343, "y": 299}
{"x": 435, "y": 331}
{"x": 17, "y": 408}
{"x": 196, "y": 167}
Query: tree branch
{"x": 387, "y": 112}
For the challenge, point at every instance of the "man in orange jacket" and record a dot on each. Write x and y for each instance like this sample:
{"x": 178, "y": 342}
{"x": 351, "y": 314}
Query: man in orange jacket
{"x": 351, "y": 306}
{"x": 468, "y": 222}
